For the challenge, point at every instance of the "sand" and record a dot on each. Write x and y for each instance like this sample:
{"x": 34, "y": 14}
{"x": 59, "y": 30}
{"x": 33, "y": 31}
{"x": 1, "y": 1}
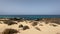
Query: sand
{"x": 40, "y": 28}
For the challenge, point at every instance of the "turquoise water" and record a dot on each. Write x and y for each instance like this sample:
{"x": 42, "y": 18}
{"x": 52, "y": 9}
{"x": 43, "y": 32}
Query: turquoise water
{"x": 30, "y": 16}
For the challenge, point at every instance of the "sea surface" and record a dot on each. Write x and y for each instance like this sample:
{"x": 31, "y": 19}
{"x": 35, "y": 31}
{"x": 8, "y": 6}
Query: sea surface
{"x": 30, "y": 16}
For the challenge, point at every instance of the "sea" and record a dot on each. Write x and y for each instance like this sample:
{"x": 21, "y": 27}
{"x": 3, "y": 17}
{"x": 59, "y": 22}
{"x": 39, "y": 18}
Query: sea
{"x": 30, "y": 16}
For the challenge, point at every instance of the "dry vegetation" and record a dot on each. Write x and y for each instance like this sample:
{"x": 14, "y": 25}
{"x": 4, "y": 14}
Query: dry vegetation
{"x": 9, "y": 22}
{"x": 25, "y": 27}
{"x": 10, "y": 31}
{"x": 34, "y": 23}
{"x": 51, "y": 20}
{"x": 20, "y": 26}
{"x": 38, "y": 28}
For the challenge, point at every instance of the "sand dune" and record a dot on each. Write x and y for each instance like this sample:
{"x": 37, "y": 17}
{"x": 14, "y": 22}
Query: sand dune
{"x": 30, "y": 27}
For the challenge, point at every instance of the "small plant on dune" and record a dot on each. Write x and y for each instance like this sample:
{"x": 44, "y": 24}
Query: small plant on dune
{"x": 53, "y": 25}
{"x": 34, "y": 23}
{"x": 37, "y": 28}
{"x": 10, "y": 31}
{"x": 25, "y": 27}
{"x": 20, "y": 25}
{"x": 10, "y": 22}
{"x": 57, "y": 22}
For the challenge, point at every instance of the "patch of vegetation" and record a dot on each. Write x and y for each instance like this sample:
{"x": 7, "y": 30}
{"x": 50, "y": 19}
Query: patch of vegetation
{"x": 37, "y": 28}
{"x": 10, "y": 22}
{"x": 53, "y": 25}
{"x": 25, "y": 27}
{"x": 10, "y": 31}
{"x": 52, "y": 20}
{"x": 20, "y": 26}
{"x": 57, "y": 22}
{"x": 34, "y": 23}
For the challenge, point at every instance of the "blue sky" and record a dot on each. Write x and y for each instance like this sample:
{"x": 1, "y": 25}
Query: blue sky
{"x": 29, "y": 7}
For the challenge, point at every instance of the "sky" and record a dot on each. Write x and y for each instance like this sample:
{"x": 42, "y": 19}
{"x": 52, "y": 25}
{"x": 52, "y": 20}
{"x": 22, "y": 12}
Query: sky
{"x": 29, "y": 7}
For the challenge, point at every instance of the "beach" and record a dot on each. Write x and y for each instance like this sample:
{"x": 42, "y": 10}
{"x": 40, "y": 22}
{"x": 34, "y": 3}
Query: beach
{"x": 23, "y": 26}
